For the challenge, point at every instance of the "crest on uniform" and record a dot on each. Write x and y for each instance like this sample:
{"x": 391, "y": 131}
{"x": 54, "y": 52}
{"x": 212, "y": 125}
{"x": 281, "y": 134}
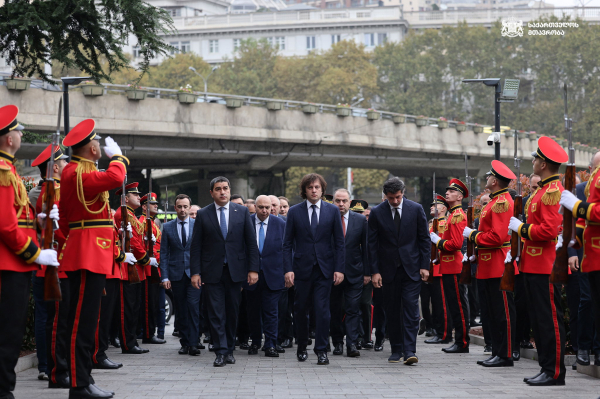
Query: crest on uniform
{"x": 512, "y": 27}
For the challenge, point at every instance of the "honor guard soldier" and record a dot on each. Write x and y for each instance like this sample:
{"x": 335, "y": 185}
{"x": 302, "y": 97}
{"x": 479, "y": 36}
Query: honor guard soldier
{"x": 442, "y": 320}
{"x": 150, "y": 289}
{"x": 57, "y": 328}
{"x": 328, "y": 198}
{"x": 539, "y": 251}
{"x": 130, "y": 293}
{"x": 88, "y": 253}
{"x": 493, "y": 243}
{"x": 19, "y": 250}
{"x": 450, "y": 246}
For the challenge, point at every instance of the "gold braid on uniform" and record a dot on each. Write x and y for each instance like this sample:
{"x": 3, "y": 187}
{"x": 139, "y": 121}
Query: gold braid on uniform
{"x": 87, "y": 166}
{"x": 529, "y": 202}
{"x": 501, "y": 205}
{"x": 457, "y": 217}
{"x": 586, "y": 191}
{"x": 8, "y": 178}
{"x": 552, "y": 195}
{"x": 56, "y": 194}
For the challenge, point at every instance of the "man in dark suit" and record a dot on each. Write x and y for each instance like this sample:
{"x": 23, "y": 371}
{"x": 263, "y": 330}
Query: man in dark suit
{"x": 263, "y": 297}
{"x": 224, "y": 254}
{"x": 317, "y": 260}
{"x": 345, "y": 298}
{"x": 399, "y": 247}
{"x": 175, "y": 273}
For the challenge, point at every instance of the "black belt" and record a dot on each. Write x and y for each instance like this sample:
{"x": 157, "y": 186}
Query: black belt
{"x": 86, "y": 224}
{"x": 26, "y": 224}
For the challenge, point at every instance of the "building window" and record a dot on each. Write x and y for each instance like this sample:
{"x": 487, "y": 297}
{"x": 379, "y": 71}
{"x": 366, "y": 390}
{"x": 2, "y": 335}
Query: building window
{"x": 185, "y": 47}
{"x": 236, "y": 44}
{"x": 175, "y": 12}
{"x": 336, "y": 39}
{"x": 280, "y": 42}
{"x": 136, "y": 52}
{"x": 369, "y": 39}
{"x": 213, "y": 46}
{"x": 310, "y": 42}
{"x": 381, "y": 38}
{"x": 175, "y": 47}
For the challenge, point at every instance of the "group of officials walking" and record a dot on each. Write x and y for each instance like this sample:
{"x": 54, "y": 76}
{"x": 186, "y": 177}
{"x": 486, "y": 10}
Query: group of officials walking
{"x": 321, "y": 251}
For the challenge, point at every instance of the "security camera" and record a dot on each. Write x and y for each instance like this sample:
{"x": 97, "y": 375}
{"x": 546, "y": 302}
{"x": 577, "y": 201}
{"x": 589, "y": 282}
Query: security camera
{"x": 494, "y": 137}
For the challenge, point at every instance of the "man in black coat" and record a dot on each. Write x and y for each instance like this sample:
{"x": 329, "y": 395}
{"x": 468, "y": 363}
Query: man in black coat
{"x": 223, "y": 255}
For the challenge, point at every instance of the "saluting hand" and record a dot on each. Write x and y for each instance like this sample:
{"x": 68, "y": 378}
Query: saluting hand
{"x": 338, "y": 278}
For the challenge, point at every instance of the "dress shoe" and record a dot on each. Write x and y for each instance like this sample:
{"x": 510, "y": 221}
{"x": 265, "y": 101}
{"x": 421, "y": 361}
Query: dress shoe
{"x": 91, "y": 391}
{"x": 154, "y": 340}
{"x": 435, "y": 340}
{"x": 545, "y": 380}
{"x": 480, "y": 362}
{"x": 211, "y": 348}
{"x": 429, "y": 332}
{"x": 175, "y": 333}
{"x": 367, "y": 345}
{"x": 456, "y": 349}
{"x": 136, "y": 350}
{"x": 42, "y": 376}
{"x": 497, "y": 361}
{"x": 253, "y": 350}
{"x": 287, "y": 343}
{"x": 279, "y": 349}
{"x": 115, "y": 342}
{"x": 410, "y": 358}
{"x": 322, "y": 359}
{"x": 229, "y": 359}
{"x": 312, "y": 334}
{"x": 474, "y": 323}
{"x": 201, "y": 345}
{"x": 359, "y": 343}
{"x": 194, "y": 351}
{"x": 487, "y": 350}
{"x": 532, "y": 378}
{"x": 339, "y": 349}
{"x": 395, "y": 358}
{"x": 302, "y": 355}
{"x": 516, "y": 355}
{"x": 219, "y": 361}
{"x": 206, "y": 339}
{"x": 597, "y": 359}
{"x": 106, "y": 364}
{"x": 184, "y": 350}
{"x": 583, "y": 357}
{"x": 244, "y": 346}
{"x": 352, "y": 351}
{"x": 378, "y": 346}
{"x": 422, "y": 326}
{"x": 271, "y": 352}
{"x": 61, "y": 383}
{"x": 309, "y": 342}
{"x": 526, "y": 345}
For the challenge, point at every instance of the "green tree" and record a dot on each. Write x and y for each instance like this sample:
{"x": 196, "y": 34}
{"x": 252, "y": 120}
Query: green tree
{"x": 174, "y": 73}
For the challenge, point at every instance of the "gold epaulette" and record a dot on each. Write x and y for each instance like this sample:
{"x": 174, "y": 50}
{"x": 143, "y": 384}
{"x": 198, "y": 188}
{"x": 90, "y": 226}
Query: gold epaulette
{"x": 9, "y": 178}
{"x": 457, "y": 217}
{"x": 552, "y": 194}
{"x": 56, "y": 194}
{"x": 501, "y": 205}
{"x": 135, "y": 224}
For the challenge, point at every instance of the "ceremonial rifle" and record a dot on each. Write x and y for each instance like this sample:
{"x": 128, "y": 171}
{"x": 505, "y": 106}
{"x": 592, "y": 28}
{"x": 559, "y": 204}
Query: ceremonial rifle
{"x": 508, "y": 278}
{"x": 133, "y": 276}
{"x": 433, "y": 259}
{"x": 52, "y": 290}
{"x": 465, "y": 274}
{"x": 166, "y": 203}
{"x": 154, "y": 276}
{"x": 560, "y": 269}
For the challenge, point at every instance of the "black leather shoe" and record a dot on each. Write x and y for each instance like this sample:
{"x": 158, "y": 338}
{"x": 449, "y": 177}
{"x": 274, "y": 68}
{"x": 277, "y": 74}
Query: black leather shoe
{"x": 175, "y": 333}
{"x": 456, "y": 349}
{"x": 253, "y": 350}
{"x": 244, "y": 346}
{"x": 106, "y": 364}
{"x": 229, "y": 359}
{"x": 583, "y": 357}
{"x": 153, "y": 340}
{"x": 498, "y": 362}
{"x": 429, "y": 332}
{"x": 487, "y": 349}
{"x": 352, "y": 351}
{"x": 526, "y": 345}
{"x": 91, "y": 391}
{"x": 367, "y": 345}
{"x": 434, "y": 340}
{"x": 302, "y": 355}
{"x": 545, "y": 380}
{"x": 201, "y": 345}
{"x": 219, "y": 361}
{"x": 279, "y": 349}
{"x": 271, "y": 352}
{"x": 136, "y": 350}
{"x": 287, "y": 343}
{"x": 597, "y": 359}
{"x": 516, "y": 355}
{"x": 378, "y": 346}
{"x": 211, "y": 348}
{"x": 359, "y": 343}
{"x": 532, "y": 378}
{"x": 61, "y": 383}
{"x": 422, "y": 326}
{"x": 194, "y": 351}
{"x": 115, "y": 342}
{"x": 322, "y": 359}
{"x": 184, "y": 350}
{"x": 480, "y": 362}
{"x": 339, "y": 349}
{"x": 474, "y": 323}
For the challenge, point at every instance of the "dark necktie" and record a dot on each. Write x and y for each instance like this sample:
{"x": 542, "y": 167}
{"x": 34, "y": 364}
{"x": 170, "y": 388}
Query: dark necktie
{"x": 314, "y": 222}
{"x": 183, "y": 238}
{"x": 397, "y": 219}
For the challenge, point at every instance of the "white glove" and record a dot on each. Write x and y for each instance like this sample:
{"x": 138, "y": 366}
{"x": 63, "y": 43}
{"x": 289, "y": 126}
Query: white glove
{"x": 54, "y": 213}
{"x": 153, "y": 238}
{"x": 508, "y": 258}
{"x": 153, "y": 262}
{"x": 464, "y": 258}
{"x": 467, "y": 232}
{"x": 434, "y": 238}
{"x": 111, "y": 148}
{"x": 473, "y": 258}
{"x": 559, "y": 244}
{"x": 129, "y": 258}
{"x": 568, "y": 200}
{"x": 514, "y": 224}
{"x": 129, "y": 230}
{"x": 47, "y": 257}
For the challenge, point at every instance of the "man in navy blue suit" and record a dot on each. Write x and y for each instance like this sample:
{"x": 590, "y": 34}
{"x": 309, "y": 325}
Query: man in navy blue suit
{"x": 314, "y": 232}
{"x": 223, "y": 255}
{"x": 399, "y": 247}
{"x": 175, "y": 274}
{"x": 263, "y": 298}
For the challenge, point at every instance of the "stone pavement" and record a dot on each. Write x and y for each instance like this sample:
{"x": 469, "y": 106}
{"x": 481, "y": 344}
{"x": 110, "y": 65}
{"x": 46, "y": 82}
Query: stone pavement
{"x": 163, "y": 373}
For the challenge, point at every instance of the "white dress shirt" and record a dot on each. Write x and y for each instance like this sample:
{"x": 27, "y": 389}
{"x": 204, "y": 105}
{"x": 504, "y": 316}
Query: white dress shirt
{"x": 186, "y": 227}
{"x": 265, "y": 226}
{"x": 310, "y": 210}
{"x": 399, "y": 209}
{"x": 218, "y": 208}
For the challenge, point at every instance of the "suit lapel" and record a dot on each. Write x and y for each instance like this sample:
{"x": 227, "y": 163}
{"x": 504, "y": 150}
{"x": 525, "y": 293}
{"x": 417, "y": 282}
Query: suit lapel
{"x": 387, "y": 217}
{"x": 212, "y": 215}
{"x": 176, "y": 233}
{"x": 188, "y": 241}
{"x": 305, "y": 220}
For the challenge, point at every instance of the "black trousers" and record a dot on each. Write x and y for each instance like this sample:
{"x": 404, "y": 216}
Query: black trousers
{"x": 474, "y": 301}
{"x": 573, "y": 300}
{"x": 129, "y": 307}
{"x": 286, "y": 315}
{"x": 440, "y": 315}
{"x": 84, "y": 307}
{"x": 425, "y": 295}
{"x": 523, "y": 328}
{"x": 108, "y": 304}
{"x": 148, "y": 309}
{"x": 366, "y": 313}
{"x": 187, "y": 303}
{"x": 486, "y": 323}
{"x": 15, "y": 290}
{"x": 501, "y": 305}
{"x": 594, "y": 279}
{"x": 223, "y": 305}
{"x": 379, "y": 319}
{"x": 316, "y": 290}
{"x": 589, "y": 337}
{"x": 243, "y": 327}
{"x": 57, "y": 334}
{"x": 546, "y": 314}
{"x": 263, "y": 313}
{"x": 458, "y": 304}
{"x": 345, "y": 312}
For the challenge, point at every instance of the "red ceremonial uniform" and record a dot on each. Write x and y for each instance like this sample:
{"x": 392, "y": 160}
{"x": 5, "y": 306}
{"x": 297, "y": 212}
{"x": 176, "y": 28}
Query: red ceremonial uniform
{"x": 440, "y": 232}
{"x": 58, "y": 235}
{"x": 156, "y": 246}
{"x": 451, "y": 242}
{"x": 137, "y": 242}
{"x": 588, "y": 224}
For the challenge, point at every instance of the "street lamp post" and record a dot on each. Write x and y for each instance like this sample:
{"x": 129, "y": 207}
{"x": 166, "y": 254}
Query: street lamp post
{"x": 69, "y": 81}
{"x": 204, "y": 79}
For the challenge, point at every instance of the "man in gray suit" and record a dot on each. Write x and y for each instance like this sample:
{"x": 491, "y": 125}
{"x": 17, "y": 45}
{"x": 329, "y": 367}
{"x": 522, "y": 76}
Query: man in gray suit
{"x": 175, "y": 273}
